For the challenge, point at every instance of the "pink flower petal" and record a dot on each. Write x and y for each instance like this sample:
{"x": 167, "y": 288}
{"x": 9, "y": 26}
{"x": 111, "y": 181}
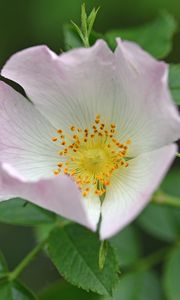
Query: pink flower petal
{"x": 128, "y": 87}
{"x": 132, "y": 187}
{"x": 25, "y": 136}
{"x": 64, "y": 88}
{"x": 59, "y": 194}
{"x": 146, "y": 111}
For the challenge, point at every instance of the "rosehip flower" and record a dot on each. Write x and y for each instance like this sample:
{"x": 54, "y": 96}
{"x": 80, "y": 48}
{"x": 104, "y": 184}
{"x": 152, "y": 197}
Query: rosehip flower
{"x": 96, "y": 137}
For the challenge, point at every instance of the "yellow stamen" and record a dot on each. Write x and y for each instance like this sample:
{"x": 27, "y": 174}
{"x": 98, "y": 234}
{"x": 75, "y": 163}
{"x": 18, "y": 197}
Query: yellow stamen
{"x": 56, "y": 172}
{"x": 54, "y": 139}
{"x": 92, "y": 156}
{"x": 59, "y": 131}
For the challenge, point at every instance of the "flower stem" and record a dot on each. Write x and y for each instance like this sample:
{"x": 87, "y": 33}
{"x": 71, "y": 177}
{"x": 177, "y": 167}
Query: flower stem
{"x": 165, "y": 199}
{"x": 26, "y": 261}
{"x": 32, "y": 254}
{"x": 151, "y": 260}
{"x": 172, "y": 201}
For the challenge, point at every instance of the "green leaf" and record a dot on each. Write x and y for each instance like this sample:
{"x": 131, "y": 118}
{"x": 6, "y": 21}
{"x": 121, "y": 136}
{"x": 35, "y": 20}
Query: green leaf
{"x": 91, "y": 19}
{"x": 15, "y": 291}
{"x": 17, "y": 211}
{"x": 172, "y": 275}
{"x": 164, "y": 221}
{"x": 71, "y": 38}
{"x": 41, "y": 232}
{"x": 5, "y": 291}
{"x": 161, "y": 221}
{"x": 74, "y": 250}
{"x": 12, "y": 290}
{"x": 127, "y": 246}
{"x": 84, "y": 19}
{"x": 137, "y": 286}
{"x": 155, "y": 37}
{"x": 3, "y": 265}
{"x": 67, "y": 292}
{"x": 174, "y": 82}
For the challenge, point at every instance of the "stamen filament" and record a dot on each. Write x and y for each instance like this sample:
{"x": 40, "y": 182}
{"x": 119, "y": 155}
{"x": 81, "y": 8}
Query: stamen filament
{"x": 91, "y": 155}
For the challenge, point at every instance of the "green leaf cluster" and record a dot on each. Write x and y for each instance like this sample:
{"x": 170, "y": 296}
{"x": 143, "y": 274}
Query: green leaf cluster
{"x": 87, "y": 23}
{"x": 74, "y": 251}
{"x": 78, "y": 254}
{"x": 155, "y": 37}
{"x": 12, "y": 290}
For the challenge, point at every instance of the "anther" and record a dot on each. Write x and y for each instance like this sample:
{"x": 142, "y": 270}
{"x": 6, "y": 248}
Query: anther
{"x": 54, "y": 139}
{"x": 59, "y": 131}
{"x": 93, "y": 177}
{"x": 66, "y": 171}
{"x": 56, "y": 172}
{"x": 106, "y": 182}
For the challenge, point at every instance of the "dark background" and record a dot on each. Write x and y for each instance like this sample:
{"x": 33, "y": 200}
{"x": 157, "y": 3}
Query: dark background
{"x": 26, "y": 23}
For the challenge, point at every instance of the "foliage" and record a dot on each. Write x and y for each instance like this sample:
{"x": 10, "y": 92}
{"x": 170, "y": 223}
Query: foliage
{"x": 74, "y": 251}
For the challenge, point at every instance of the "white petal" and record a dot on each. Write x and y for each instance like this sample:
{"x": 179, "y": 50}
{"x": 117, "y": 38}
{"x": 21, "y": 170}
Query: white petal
{"x": 145, "y": 110}
{"x": 67, "y": 89}
{"x": 132, "y": 187}
{"x": 58, "y": 194}
{"x": 128, "y": 87}
{"x": 25, "y": 136}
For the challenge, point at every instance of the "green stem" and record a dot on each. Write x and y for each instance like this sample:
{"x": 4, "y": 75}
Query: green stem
{"x": 86, "y": 42}
{"x": 151, "y": 260}
{"x": 26, "y": 261}
{"x": 31, "y": 255}
{"x": 174, "y": 201}
{"x": 162, "y": 198}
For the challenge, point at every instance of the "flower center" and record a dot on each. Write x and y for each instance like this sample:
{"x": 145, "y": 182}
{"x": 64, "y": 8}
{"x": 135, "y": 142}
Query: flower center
{"x": 91, "y": 155}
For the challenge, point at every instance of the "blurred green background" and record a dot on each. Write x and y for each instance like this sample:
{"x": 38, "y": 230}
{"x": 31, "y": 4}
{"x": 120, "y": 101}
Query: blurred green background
{"x": 26, "y": 23}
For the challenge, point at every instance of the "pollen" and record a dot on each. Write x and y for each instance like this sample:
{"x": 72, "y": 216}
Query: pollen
{"x": 54, "y": 139}
{"x": 59, "y": 131}
{"x": 91, "y": 156}
{"x": 73, "y": 128}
